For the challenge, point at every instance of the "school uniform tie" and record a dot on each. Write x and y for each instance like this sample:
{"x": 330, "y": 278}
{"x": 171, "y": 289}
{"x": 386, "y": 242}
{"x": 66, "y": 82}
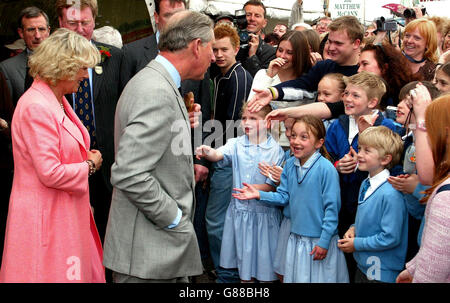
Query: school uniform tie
{"x": 365, "y": 186}
{"x": 83, "y": 109}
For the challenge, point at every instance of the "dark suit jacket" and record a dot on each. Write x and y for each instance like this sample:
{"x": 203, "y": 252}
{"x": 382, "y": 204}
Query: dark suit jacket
{"x": 138, "y": 54}
{"x": 106, "y": 92}
{"x": 15, "y": 70}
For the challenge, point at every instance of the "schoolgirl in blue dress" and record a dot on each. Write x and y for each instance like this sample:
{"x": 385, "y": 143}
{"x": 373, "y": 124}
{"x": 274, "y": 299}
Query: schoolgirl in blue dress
{"x": 251, "y": 228}
{"x": 310, "y": 185}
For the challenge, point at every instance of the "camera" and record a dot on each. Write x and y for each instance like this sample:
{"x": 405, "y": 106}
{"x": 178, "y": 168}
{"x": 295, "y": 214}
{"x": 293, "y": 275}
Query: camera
{"x": 384, "y": 25}
{"x": 410, "y": 13}
{"x": 240, "y": 21}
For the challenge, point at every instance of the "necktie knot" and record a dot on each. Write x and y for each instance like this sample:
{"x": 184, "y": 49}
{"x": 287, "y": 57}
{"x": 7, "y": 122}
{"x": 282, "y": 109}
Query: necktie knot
{"x": 365, "y": 186}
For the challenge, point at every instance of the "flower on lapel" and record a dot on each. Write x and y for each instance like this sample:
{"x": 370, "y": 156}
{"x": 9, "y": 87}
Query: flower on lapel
{"x": 104, "y": 52}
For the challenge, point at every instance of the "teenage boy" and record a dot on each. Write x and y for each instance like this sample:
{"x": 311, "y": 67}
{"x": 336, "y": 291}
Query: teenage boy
{"x": 379, "y": 237}
{"x": 231, "y": 88}
{"x": 343, "y": 44}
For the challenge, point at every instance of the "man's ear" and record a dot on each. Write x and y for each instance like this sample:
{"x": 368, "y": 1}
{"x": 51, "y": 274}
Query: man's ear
{"x": 356, "y": 43}
{"x": 20, "y": 32}
{"x": 372, "y": 103}
{"x": 195, "y": 47}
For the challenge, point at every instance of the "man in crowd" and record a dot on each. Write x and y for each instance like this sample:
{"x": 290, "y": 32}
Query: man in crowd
{"x": 257, "y": 54}
{"x": 150, "y": 236}
{"x": 95, "y": 102}
{"x": 34, "y": 28}
{"x": 322, "y": 25}
{"x": 280, "y": 29}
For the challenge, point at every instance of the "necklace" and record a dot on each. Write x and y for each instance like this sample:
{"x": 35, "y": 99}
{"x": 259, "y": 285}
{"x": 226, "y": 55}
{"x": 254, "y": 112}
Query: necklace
{"x": 412, "y": 59}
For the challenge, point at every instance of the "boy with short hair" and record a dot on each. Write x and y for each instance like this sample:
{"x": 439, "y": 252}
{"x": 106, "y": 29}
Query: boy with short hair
{"x": 361, "y": 97}
{"x": 379, "y": 237}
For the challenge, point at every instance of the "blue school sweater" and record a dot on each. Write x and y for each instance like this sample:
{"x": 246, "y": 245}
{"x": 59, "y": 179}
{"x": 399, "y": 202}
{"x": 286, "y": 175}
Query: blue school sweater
{"x": 314, "y": 198}
{"x": 381, "y": 231}
{"x": 337, "y": 146}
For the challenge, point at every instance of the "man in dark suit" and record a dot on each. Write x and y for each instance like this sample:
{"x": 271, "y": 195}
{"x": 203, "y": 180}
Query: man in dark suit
{"x": 34, "y": 28}
{"x": 137, "y": 55}
{"x": 96, "y": 105}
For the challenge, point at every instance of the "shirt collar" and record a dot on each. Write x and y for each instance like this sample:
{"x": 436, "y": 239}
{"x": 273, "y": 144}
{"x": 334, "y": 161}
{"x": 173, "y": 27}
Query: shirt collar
{"x": 379, "y": 179}
{"x": 170, "y": 69}
{"x": 308, "y": 162}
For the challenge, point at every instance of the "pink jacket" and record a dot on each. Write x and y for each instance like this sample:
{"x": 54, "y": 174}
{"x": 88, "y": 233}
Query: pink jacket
{"x": 50, "y": 234}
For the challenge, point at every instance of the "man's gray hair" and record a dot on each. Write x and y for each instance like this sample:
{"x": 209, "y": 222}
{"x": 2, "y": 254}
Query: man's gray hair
{"x": 184, "y": 27}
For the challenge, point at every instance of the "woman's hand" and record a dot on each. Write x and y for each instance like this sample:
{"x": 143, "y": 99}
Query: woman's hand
{"x": 420, "y": 98}
{"x": 274, "y": 67}
{"x": 3, "y": 124}
{"x": 319, "y": 253}
{"x": 96, "y": 157}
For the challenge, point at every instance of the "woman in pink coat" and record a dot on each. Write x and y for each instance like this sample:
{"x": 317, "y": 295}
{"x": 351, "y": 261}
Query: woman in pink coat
{"x": 51, "y": 235}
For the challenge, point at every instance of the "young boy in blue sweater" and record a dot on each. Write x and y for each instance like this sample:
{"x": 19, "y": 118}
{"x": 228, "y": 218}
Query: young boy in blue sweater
{"x": 379, "y": 237}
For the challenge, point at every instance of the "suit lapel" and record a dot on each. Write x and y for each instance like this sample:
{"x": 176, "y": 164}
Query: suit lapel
{"x": 97, "y": 79}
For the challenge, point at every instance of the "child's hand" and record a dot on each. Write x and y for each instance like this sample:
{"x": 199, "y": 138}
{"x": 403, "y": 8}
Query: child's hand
{"x": 248, "y": 192}
{"x": 404, "y": 183}
{"x": 275, "y": 173}
{"x": 346, "y": 245}
{"x": 319, "y": 253}
{"x": 348, "y": 163}
{"x": 202, "y": 151}
{"x": 264, "y": 169}
{"x": 350, "y": 233}
{"x": 404, "y": 277}
{"x": 366, "y": 121}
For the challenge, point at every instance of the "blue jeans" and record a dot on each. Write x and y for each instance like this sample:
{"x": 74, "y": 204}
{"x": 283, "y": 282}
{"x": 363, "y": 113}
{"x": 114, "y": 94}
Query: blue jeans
{"x": 219, "y": 198}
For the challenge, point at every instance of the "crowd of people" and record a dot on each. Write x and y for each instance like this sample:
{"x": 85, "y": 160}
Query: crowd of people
{"x": 311, "y": 154}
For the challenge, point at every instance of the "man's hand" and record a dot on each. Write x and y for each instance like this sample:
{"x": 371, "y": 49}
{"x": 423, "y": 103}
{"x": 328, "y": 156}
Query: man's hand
{"x": 259, "y": 100}
{"x": 253, "y": 44}
{"x": 201, "y": 172}
{"x": 193, "y": 116}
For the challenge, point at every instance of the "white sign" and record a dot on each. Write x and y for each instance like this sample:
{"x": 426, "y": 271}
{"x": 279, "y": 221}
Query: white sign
{"x": 339, "y": 8}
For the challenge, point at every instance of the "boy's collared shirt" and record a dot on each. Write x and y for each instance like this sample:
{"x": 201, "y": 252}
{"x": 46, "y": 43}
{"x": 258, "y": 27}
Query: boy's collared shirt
{"x": 352, "y": 129}
{"x": 376, "y": 182}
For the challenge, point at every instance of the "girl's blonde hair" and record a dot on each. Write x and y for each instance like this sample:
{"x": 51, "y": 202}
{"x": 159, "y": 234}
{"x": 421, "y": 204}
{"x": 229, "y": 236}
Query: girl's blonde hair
{"x": 338, "y": 78}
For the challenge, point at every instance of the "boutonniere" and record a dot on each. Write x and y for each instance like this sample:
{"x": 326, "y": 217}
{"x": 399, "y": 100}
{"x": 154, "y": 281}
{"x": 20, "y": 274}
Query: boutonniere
{"x": 104, "y": 52}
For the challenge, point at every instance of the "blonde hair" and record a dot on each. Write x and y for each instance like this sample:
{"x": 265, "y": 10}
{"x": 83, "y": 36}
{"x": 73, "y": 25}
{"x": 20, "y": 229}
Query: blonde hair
{"x": 372, "y": 84}
{"x": 385, "y": 141}
{"x": 61, "y": 55}
{"x": 427, "y": 30}
{"x": 338, "y": 77}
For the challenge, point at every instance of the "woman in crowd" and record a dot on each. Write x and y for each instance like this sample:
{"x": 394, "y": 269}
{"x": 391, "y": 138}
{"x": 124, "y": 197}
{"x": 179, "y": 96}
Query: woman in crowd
{"x": 419, "y": 47}
{"x": 432, "y": 262}
{"x": 51, "y": 235}
{"x": 387, "y": 62}
{"x": 442, "y": 78}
